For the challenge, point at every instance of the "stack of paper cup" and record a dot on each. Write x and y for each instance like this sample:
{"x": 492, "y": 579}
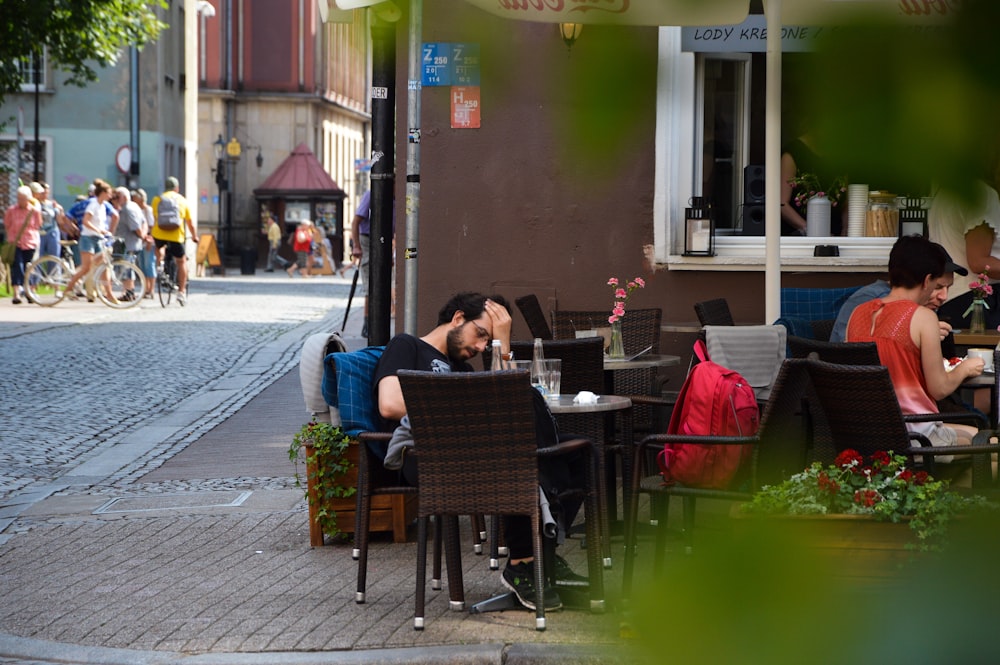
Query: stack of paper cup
{"x": 857, "y": 210}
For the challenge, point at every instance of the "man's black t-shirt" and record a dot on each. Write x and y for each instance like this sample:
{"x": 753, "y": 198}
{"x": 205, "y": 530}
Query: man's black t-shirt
{"x": 409, "y": 352}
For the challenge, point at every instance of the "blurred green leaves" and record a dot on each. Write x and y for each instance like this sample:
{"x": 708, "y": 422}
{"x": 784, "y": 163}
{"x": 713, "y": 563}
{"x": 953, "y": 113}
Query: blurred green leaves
{"x": 909, "y": 101}
{"x": 79, "y": 35}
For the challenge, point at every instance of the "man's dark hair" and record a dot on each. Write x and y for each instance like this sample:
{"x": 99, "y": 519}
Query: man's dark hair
{"x": 913, "y": 258}
{"x": 470, "y": 304}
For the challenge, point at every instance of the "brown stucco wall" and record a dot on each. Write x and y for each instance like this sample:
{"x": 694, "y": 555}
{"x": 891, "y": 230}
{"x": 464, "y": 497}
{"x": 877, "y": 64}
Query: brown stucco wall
{"x": 554, "y": 193}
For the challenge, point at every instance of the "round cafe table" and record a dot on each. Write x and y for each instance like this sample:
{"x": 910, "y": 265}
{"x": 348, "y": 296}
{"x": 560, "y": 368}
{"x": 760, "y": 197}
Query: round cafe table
{"x": 564, "y": 404}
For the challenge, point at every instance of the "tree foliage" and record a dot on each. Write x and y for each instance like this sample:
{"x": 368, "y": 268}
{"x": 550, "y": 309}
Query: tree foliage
{"x": 78, "y": 36}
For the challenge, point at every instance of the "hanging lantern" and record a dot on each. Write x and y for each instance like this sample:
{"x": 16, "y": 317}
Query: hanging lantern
{"x": 913, "y": 218}
{"x": 699, "y": 229}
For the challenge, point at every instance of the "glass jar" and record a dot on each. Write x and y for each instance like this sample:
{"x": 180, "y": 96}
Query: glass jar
{"x": 882, "y": 220}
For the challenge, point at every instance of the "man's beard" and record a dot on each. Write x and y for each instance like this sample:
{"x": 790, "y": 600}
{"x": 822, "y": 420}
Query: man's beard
{"x": 454, "y": 343}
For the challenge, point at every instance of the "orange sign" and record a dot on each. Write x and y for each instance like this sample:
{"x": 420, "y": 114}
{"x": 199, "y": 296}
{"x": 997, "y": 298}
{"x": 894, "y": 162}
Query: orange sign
{"x": 465, "y": 107}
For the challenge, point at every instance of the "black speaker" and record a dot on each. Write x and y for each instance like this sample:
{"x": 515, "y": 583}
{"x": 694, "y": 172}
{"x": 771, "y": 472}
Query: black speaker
{"x": 753, "y": 220}
{"x": 753, "y": 184}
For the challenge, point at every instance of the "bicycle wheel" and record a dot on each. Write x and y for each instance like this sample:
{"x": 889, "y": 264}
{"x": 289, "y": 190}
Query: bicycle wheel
{"x": 165, "y": 283}
{"x": 119, "y": 284}
{"x": 45, "y": 280}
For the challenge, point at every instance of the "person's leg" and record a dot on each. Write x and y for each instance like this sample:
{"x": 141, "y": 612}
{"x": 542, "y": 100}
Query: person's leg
{"x": 21, "y": 258}
{"x": 87, "y": 246}
{"x": 363, "y": 275}
{"x": 271, "y": 253}
{"x": 182, "y": 271}
{"x": 519, "y": 573}
{"x": 48, "y": 243}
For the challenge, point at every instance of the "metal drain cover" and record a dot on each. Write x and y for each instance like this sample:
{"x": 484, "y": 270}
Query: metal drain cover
{"x": 187, "y": 500}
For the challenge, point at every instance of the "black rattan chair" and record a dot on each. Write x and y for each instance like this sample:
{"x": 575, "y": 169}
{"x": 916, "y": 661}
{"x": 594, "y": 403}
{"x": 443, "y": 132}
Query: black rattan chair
{"x": 373, "y": 478}
{"x": 464, "y": 424}
{"x": 862, "y": 411}
{"x": 780, "y": 451}
{"x": 533, "y": 315}
{"x": 840, "y": 353}
{"x": 714, "y": 312}
{"x": 650, "y": 411}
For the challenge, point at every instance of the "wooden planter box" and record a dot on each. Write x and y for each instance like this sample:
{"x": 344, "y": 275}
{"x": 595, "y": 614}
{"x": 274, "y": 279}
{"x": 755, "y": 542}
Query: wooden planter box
{"x": 856, "y": 547}
{"x": 392, "y": 512}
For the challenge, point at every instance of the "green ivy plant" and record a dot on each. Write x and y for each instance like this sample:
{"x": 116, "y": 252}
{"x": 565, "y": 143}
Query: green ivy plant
{"x": 327, "y": 466}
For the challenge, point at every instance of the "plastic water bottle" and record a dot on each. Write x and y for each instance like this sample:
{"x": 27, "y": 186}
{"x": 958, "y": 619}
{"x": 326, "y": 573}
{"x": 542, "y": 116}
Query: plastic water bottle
{"x": 497, "y": 362}
{"x": 538, "y": 367}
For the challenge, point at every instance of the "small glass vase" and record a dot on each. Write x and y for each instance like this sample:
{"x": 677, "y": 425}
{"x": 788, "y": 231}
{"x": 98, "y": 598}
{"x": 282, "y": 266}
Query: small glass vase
{"x": 977, "y": 322}
{"x": 616, "y": 349}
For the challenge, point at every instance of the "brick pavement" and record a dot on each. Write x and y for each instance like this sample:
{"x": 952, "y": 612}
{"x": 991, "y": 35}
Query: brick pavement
{"x": 162, "y": 561}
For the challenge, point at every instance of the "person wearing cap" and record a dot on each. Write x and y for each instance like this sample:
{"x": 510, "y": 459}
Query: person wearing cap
{"x": 172, "y": 240}
{"x": 905, "y": 328}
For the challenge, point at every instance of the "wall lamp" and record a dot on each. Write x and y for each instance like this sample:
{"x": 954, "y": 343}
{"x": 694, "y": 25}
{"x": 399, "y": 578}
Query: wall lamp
{"x": 569, "y": 33}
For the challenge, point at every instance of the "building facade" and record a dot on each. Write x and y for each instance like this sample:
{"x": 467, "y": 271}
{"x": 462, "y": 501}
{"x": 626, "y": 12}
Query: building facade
{"x": 272, "y": 76}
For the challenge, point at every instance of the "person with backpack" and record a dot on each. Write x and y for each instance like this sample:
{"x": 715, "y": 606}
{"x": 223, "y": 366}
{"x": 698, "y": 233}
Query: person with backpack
{"x": 172, "y": 215}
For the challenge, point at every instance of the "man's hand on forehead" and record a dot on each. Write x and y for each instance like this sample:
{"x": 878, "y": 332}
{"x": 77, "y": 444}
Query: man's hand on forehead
{"x": 500, "y": 318}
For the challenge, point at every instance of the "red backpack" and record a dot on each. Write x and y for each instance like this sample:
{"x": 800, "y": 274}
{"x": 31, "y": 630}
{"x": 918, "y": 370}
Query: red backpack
{"x": 713, "y": 401}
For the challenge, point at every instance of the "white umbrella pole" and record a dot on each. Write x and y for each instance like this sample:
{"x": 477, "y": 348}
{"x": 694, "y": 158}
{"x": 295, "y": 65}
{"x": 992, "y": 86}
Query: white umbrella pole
{"x": 772, "y": 165}
{"x": 412, "y": 169}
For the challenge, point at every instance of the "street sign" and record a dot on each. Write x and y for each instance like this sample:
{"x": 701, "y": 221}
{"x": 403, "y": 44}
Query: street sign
{"x": 464, "y": 64}
{"x": 434, "y": 60}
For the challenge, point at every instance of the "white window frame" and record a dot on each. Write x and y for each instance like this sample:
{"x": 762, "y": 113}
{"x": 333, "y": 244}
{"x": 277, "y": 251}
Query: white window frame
{"x": 677, "y": 177}
{"x": 25, "y": 66}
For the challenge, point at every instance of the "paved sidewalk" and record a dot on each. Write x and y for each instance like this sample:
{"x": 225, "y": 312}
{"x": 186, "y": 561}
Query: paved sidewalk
{"x": 203, "y": 556}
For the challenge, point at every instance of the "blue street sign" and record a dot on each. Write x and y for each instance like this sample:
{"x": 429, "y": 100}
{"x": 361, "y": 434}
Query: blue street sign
{"x": 435, "y": 61}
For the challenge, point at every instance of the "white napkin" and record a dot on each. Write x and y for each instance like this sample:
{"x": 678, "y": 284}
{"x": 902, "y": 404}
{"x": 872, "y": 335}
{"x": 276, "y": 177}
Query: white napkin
{"x": 585, "y": 397}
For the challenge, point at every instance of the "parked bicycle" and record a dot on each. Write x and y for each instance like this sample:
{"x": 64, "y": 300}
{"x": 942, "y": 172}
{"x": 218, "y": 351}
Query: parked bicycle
{"x": 115, "y": 279}
{"x": 166, "y": 282}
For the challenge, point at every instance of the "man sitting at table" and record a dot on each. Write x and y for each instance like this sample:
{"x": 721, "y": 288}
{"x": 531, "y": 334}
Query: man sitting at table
{"x": 466, "y": 325}
{"x": 906, "y": 330}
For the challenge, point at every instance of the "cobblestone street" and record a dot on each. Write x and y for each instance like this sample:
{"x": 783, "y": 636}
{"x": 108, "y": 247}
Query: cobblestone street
{"x": 86, "y": 376}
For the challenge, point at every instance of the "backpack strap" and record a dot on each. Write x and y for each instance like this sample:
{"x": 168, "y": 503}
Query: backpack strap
{"x": 700, "y": 350}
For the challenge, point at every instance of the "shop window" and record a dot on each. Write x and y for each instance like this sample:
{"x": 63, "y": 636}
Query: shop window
{"x": 710, "y": 129}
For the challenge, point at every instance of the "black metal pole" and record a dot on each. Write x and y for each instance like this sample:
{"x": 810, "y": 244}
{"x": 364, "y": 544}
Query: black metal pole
{"x": 36, "y": 65}
{"x": 382, "y": 179}
{"x": 133, "y": 116}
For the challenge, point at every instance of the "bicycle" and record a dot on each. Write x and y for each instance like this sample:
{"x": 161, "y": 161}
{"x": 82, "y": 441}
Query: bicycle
{"x": 166, "y": 282}
{"x": 117, "y": 281}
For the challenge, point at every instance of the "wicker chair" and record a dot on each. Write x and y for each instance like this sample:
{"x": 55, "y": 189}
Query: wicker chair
{"x": 840, "y": 353}
{"x": 714, "y": 313}
{"x": 582, "y": 363}
{"x": 640, "y": 329}
{"x": 463, "y": 423}
{"x": 531, "y": 310}
{"x": 347, "y": 384}
{"x": 780, "y": 449}
{"x": 822, "y": 448}
{"x": 880, "y": 425}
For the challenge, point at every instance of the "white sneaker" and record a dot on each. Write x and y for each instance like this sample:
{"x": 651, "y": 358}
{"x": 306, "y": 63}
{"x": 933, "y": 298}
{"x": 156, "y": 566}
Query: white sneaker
{"x": 182, "y": 298}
